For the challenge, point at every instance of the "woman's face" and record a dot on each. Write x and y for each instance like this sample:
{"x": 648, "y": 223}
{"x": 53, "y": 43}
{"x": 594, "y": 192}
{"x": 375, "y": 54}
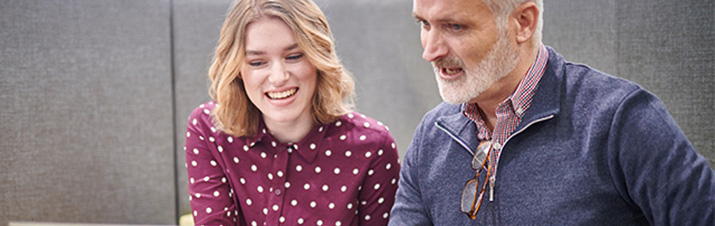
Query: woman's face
{"x": 278, "y": 77}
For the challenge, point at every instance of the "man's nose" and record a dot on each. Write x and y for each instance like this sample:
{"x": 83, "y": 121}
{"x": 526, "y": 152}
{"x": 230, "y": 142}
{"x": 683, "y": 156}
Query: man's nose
{"x": 434, "y": 46}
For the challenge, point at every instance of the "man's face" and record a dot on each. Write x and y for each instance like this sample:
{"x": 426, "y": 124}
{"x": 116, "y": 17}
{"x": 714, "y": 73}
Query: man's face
{"x": 468, "y": 51}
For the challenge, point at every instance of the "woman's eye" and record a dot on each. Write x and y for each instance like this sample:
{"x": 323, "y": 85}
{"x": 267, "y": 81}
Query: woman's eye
{"x": 255, "y": 63}
{"x": 295, "y": 56}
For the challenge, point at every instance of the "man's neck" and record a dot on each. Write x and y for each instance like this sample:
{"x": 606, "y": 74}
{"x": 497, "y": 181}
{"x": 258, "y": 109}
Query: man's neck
{"x": 505, "y": 87}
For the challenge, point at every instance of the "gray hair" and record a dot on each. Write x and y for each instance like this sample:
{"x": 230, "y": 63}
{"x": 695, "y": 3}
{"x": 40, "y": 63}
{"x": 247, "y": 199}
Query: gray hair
{"x": 502, "y": 9}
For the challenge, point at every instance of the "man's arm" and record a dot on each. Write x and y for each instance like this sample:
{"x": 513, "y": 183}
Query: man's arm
{"x": 409, "y": 208}
{"x": 656, "y": 168}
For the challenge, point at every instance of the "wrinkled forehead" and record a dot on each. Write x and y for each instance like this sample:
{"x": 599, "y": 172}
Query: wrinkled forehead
{"x": 448, "y": 10}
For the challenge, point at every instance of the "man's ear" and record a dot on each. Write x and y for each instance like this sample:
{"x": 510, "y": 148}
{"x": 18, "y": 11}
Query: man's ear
{"x": 526, "y": 16}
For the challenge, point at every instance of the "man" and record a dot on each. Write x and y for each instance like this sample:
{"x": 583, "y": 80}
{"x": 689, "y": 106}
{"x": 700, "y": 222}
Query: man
{"x": 526, "y": 138}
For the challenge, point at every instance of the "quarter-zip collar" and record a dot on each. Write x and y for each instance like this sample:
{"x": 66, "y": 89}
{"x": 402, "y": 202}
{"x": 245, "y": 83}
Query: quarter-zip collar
{"x": 545, "y": 104}
{"x": 461, "y": 129}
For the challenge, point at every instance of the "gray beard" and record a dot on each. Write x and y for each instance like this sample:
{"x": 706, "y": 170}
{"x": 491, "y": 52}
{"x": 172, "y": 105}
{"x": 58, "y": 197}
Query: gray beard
{"x": 497, "y": 64}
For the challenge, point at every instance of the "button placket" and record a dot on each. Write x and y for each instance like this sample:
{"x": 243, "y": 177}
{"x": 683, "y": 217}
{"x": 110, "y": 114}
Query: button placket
{"x": 277, "y": 197}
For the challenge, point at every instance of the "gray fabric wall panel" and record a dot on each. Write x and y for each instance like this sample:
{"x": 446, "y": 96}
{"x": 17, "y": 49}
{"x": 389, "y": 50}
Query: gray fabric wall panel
{"x": 669, "y": 48}
{"x": 583, "y": 31}
{"x": 197, "y": 24}
{"x": 86, "y": 112}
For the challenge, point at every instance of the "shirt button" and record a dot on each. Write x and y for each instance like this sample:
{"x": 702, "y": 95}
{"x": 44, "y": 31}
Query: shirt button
{"x": 519, "y": 111}
{"x": 496, "y": 146}
{"x": 277, "y": 192}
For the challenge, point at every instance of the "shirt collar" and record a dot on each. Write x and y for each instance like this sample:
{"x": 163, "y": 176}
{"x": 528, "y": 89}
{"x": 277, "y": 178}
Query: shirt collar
{"x": 307, "y": 147}
{"x": 520, "y": 99}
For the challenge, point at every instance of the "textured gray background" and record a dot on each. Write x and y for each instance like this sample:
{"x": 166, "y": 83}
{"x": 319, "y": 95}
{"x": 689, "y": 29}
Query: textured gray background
{"x": 95, "y": 93}
{"x": 86, "y": 111}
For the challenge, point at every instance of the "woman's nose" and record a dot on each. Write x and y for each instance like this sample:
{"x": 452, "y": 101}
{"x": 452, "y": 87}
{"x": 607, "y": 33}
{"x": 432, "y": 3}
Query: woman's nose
{"x": 279, "y": 75}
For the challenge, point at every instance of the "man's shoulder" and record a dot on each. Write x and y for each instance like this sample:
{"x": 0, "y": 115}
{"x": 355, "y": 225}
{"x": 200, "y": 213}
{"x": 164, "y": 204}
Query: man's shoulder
{"x": 595, "y": 85}
{"x": 578, "y": 81}
{"x": 583, "y": 76}
{"x": 442, "y": 109}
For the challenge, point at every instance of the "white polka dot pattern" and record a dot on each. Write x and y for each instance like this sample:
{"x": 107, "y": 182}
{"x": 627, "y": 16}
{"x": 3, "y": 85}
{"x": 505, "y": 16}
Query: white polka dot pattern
{"x": 321, "y": 176}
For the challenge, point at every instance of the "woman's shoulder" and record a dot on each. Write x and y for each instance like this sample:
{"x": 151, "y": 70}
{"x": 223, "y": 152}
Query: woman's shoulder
{"x": 364, "y": 128}
{"x": 200, "y": 117}
{"x": 368, "y": 136}
{"x": 360, "y": 121}
{"x": 203, "y": 109}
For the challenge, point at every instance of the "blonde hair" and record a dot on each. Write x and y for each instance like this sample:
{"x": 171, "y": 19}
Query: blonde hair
{"x": 234, "y": 113}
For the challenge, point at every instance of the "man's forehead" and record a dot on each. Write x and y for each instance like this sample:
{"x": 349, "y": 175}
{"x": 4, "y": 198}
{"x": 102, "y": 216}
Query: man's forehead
{"x": 447, "y": 9}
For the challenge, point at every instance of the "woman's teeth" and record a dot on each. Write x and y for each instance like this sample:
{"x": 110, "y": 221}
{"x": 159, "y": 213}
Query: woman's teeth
{"x": 282, "y": 95}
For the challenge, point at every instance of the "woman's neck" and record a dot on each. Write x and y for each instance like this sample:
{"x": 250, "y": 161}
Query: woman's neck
{"x": 292, "y": 131}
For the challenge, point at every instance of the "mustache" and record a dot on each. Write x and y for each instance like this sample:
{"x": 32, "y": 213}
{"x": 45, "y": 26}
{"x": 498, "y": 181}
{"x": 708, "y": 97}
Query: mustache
{"x": 448, "y": 62}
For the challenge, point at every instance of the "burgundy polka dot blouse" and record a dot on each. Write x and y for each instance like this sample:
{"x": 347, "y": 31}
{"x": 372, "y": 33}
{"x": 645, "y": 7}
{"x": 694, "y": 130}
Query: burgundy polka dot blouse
{"x": 342, "y": 173}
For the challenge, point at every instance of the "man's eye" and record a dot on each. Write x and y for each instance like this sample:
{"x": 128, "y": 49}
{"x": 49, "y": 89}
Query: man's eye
{"x": 456, "y": 27}
{"x": 423, "y": 23}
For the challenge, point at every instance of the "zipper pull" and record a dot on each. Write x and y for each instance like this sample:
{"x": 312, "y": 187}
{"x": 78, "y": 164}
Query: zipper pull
{"x": 491, "y": 188}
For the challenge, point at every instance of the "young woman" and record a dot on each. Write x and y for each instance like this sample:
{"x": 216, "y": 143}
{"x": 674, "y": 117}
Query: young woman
{"x": 279, "y": 144}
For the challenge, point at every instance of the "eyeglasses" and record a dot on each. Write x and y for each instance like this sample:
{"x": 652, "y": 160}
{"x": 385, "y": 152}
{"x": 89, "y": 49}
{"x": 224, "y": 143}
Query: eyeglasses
{"x": 471, "y": 194}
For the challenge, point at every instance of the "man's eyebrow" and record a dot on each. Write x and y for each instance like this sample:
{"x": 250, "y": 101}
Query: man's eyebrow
{"x": 414, "y": 14}
{"x": 442, "y": 20}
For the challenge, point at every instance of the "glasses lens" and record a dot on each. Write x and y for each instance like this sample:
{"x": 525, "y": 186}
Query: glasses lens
{"x": 469, "y": 196}
{"x": 481, "y": 155}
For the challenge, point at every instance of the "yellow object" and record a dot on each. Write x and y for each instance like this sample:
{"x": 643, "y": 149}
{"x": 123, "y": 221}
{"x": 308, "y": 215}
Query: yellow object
{"x": 186, "y": 220}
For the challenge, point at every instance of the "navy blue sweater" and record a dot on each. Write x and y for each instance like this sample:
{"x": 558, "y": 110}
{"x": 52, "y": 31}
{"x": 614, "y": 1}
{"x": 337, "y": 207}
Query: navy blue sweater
{"x": 592, "y": 149}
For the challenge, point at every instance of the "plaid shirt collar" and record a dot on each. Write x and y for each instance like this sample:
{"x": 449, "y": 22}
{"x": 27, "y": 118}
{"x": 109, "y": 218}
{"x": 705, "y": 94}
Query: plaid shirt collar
{"x": 517, "y": 103}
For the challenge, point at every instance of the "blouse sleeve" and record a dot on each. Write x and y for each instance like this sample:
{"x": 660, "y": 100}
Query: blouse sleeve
{"x": 210, "y": 194}
{"x": 378, "y": 189}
